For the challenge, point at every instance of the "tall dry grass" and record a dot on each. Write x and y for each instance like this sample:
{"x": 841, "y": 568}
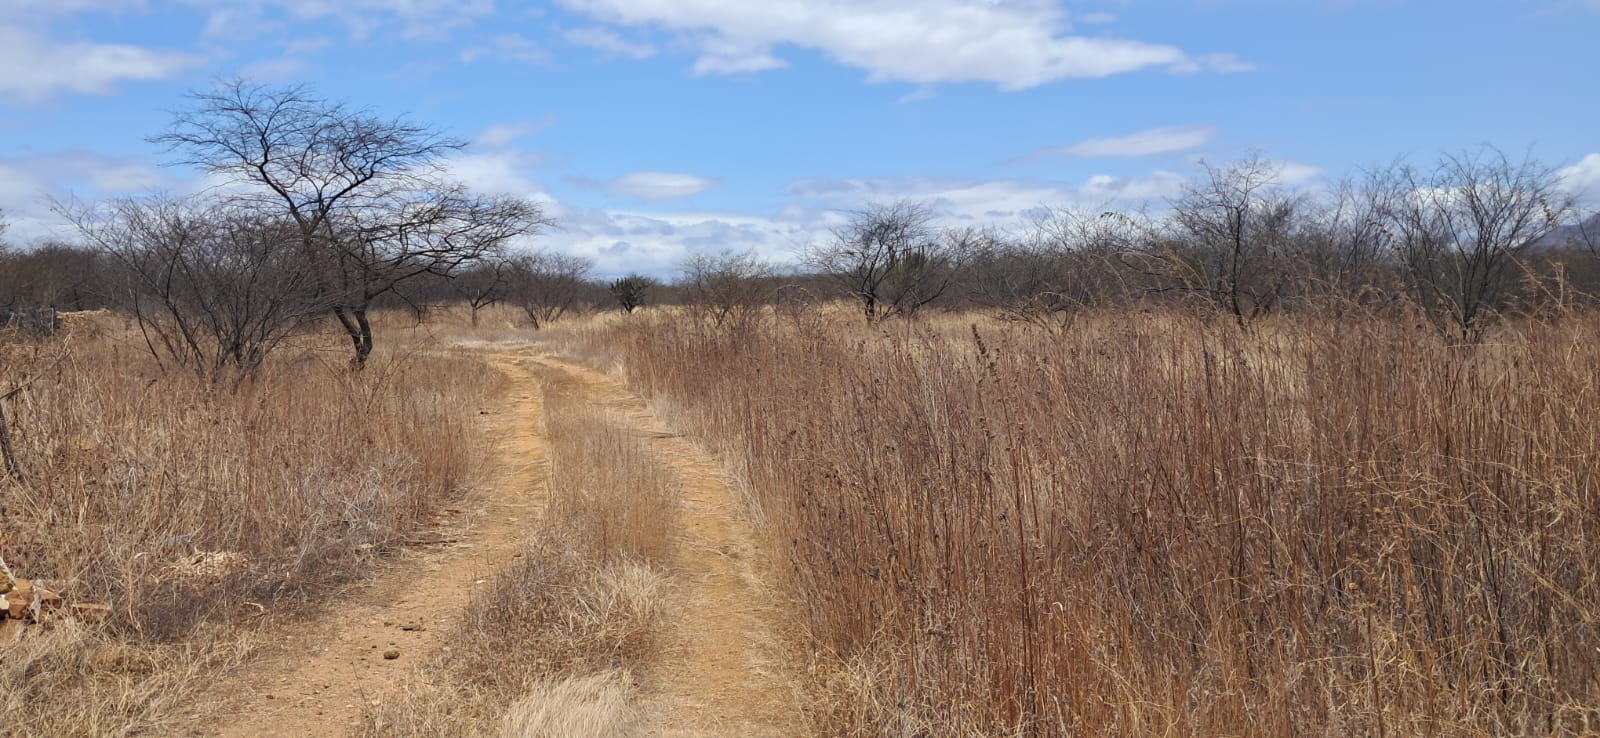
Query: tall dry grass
{"x": 550, "y": 648}
{"x": 1154, "y": 524}
{"x": 203, "y": 514}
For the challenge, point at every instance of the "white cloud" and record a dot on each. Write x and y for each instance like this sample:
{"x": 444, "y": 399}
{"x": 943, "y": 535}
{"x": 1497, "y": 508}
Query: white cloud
{"x": 657, "y": 243}
{"x": 657, "y": 186}
{"x": 510, "y": 47}
{"x": 1582, "y": 180}
{"x": 1105, "y": 191}
{"x": 1226, "y": 64}
{"x": 1014, "y": 44}
{"x": 1150, "y": 142}
{"x": 426, "y": 19}
{"x": 607, "y": 41}
{"x": 27, "y": 184}
{"x": 957, "y": 200}
{"x": 505, "y": 172}
{"x": 1292, "y": 173}
{"x": 726, "y": 56}
{"x": 502, "y": 135}
{"x": 32, "y": 68}
{"x": 1219, "y": 63}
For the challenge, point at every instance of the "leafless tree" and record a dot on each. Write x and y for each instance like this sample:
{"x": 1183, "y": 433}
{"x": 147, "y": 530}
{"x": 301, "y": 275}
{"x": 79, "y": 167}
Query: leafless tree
{"x": 1460, "y": 230}
{"x": 482, "y": 285}
{"x": 367, "y": 195}
{"x": 1584, "y": 233}
{"x": 1045, "y": 275}
{"x": 632, "y": 292}
{"x": 891, "y": 258}
{"x": 727, "y": 289}
{"x": 214, "y": 287}
{"x": 1337, "y": 248}
{"x": 547, "y": 285}
{"x": 1020, "y": 279}
{"x": 1229, "y": 238}
{"x": 54, "y": 273}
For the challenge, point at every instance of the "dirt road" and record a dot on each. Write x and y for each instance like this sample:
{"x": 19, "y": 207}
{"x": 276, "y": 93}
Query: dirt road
{"x": 723, "y": 671}
{"x": 316, "y": 681}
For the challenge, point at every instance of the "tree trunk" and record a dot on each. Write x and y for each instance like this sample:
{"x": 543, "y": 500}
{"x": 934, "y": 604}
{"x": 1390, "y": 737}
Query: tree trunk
{"x": 354, "y": 321}
{"x": 363, "y": 346}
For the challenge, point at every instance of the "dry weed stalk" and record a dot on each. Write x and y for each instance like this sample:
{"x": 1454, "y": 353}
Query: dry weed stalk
{"x": 194, "y": 509}
{"x": 1155, "y": 525}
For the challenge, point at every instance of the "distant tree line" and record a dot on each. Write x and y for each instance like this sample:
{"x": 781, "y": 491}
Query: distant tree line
{"x": 1461, "y": 242}
{"x": 329, "y": 213}
{"x": 1464, "y": 241}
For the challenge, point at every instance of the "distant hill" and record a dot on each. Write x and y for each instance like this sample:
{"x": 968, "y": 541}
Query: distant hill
{"x": 1584, "y": 234}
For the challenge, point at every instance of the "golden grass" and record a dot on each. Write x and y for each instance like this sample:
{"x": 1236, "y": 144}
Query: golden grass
{"x": 201, "y": 512}
{"x": 594, "y": 706}
{"x": 1157, "y": 524}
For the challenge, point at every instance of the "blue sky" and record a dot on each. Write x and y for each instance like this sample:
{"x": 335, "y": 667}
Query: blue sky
{"x": 656, "y": 128}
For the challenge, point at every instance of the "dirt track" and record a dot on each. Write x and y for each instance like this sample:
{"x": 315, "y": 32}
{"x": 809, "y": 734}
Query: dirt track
{"x": 316, "y": 682}
{"x": 722, "y": 672}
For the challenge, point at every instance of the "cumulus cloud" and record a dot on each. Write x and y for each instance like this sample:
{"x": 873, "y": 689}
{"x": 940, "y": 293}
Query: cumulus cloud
{"x": 32, "y": 68}
{"x": 28, "y": 183}
{"x": 609, "y": 42}
{"x": 504, "y": 171}
{"x": 1582, "y": 180}
{"x": 1015, "y": 44}
{"x": 658, "y": 186}
{"x": 1150, "y": 142}
{"x": 657, "y": 243}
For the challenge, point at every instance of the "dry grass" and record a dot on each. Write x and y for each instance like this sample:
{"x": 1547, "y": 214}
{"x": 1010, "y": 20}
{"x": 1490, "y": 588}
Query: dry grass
{"x": 595, "y": 706}
{"x": 1159, "y": 525}
{"x": 549, "y": 647}
{"x": 201, "y": 512}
